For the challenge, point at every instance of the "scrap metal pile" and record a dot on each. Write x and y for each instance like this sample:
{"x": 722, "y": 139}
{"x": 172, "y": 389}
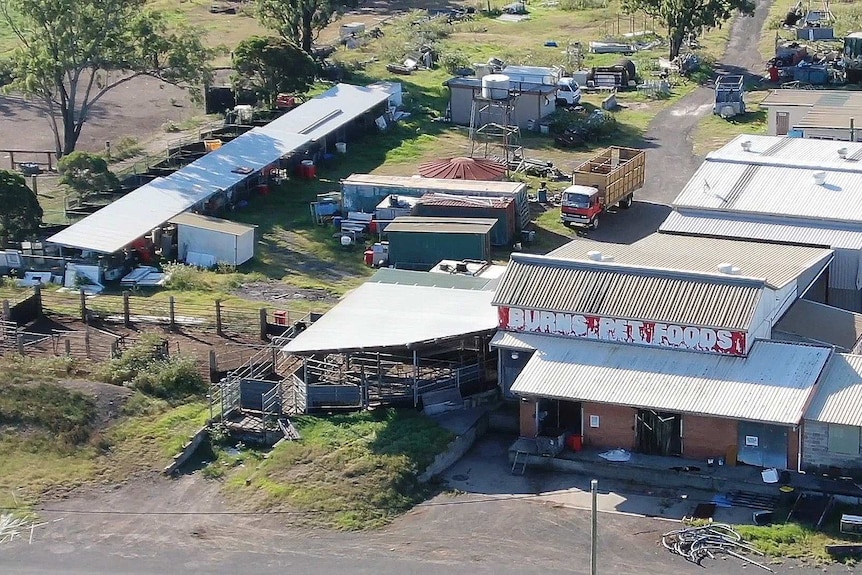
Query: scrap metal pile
{"x": 698, "y": 543}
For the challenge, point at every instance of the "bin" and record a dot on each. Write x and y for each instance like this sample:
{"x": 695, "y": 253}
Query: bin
{"x": 542, "y": 196}
{"x": 280, "y": 317}
{"x": 369, "y": 257}
{"x": 575, "y": 442}
{"x": 336, "y": 221}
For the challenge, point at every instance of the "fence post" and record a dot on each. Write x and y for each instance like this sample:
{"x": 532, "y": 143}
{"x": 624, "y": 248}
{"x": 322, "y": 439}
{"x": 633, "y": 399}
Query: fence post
{"x": 86, "y": 340}
{"x": 6, "y": 310}
{"x": 172, "y": 315}
{"x": 218, "y": 317}
{"x": 68, "y": 347}
{"x": 213, "y": 365}
{"x": 83, "y": 306}
{"x": 37, "y": 293}
{"x": 127, "y": 320}
{"x": 263, "y": 330}
{"x": 20, "y": 341}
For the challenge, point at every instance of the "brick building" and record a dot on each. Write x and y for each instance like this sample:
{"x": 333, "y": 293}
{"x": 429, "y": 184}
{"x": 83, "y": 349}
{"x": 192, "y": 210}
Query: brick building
{"x": 662, "y": 347}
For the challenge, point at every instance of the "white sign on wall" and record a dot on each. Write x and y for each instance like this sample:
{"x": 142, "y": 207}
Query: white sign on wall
{"x": 723, "y": 341}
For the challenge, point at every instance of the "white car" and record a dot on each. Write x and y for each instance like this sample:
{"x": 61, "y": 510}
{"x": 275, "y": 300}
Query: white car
{"x": 568, "y": 92}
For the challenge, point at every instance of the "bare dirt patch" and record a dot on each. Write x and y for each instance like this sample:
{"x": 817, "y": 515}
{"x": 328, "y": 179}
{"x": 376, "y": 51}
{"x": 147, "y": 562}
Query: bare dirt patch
{"x": 137, "y": 109}
{"x": 109, "y": 399}
{"x": 282, "y": 294}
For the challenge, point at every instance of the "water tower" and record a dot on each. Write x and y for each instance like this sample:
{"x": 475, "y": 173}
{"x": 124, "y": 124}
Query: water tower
{"x": 494, "y": 131}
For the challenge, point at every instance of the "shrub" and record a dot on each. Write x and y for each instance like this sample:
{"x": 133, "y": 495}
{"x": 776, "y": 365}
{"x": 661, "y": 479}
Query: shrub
{"x": 126, "y": 148}
{"x": 186, "y": 278}
{"x": 63, "y": 412}
{"x": 173, "y": 379}
{"x": 135, "y": 360}
{"x": 453, "y": 61}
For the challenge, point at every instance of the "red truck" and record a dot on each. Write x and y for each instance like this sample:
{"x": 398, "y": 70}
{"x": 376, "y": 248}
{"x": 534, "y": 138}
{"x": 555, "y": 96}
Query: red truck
{"x": 607, "y": 179}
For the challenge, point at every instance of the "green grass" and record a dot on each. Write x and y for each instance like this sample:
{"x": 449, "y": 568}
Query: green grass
{"x": 713, "y": 131}
{"x": 49, "y": 439}
{"x": 351, "y": 471}
{"x": 792, "y": 541}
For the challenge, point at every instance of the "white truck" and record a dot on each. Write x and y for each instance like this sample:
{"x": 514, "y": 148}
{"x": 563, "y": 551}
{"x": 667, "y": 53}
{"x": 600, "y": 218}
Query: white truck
{"x": 568, "y": 89}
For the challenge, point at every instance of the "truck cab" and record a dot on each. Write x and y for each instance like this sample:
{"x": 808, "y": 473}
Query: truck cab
{"x": 568, "y": 92}
{"x": 581, "y": 205}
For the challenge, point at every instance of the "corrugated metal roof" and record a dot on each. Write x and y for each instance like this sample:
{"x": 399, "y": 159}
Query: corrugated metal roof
{"x": 513, "y": 340}
{"x": 823, "y": 324}
{"x": 772, "y": 384}
{"x": 428, "y": 279}
{"x": 380, "y": 315}
{"x": 441, "y": 225}
{"x": 334, "y": 109}
{"x": 786, "y": 97}
{"x": 120, "y": 223}
{"x": 782, "y": 151}
{"x": 435, "y": 184}
{"x": 213, "y": 224}
{"x": 465, "y": 201}
{"x": 778, "y": 190}
{"x": 778, "y": 264}
{"x": 839, "y": 395}
{"x": 763, "y": 228}
{"x": 522, "y": 87}
{"x": 831, "y": 117}
{"x": 629, "y": 292}
{"x": 461, "y": 168}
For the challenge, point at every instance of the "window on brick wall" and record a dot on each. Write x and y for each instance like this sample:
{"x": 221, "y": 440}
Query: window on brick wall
{"x": 843, "y": 439}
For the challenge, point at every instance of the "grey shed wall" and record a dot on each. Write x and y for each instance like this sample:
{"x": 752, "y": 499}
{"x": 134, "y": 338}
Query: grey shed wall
{"x": 815, "y": 454}
{"x": 529, "y": 106}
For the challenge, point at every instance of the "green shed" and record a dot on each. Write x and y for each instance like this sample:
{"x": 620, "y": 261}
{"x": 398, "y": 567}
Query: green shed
{"x": 417, "y": 243}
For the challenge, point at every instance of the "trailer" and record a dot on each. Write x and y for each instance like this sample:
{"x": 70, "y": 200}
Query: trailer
{"x": 610, "y": 178}
{"x": 729, "y": 96}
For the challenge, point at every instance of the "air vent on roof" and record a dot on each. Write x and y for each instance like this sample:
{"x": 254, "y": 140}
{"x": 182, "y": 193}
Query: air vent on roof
{"x": 819, "y": 178}
{"x": 842, "y": 153}
{"x": 728, "y": 269}
{"x": 746, "y": 145}
{"x": 597, "y": 256}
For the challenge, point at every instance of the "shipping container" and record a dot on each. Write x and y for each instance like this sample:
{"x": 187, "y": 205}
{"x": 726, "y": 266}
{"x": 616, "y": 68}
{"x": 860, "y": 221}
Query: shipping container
{"x": 449, "y": 206}
{"x": 363, "y": 192}
{"x": 418, "y": 243}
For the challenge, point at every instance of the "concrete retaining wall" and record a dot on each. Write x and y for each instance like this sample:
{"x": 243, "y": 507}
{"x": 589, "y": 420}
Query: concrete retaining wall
{"x": 456, "y": 450}
{"x": 647, "y": 476}
{"x": 187, "y": 451}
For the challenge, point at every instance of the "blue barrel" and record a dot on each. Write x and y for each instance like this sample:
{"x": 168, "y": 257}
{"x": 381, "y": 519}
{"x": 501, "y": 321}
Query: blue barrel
{"x": 336, "y": 221}
{"x": 543, "y": 196}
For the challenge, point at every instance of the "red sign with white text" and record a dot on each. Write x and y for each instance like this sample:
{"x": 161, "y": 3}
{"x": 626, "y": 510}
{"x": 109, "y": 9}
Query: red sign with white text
{"x": 723, "y": 341}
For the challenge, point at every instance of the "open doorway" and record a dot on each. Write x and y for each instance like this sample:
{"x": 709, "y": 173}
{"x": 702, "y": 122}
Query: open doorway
{"x": 659, "y": 433}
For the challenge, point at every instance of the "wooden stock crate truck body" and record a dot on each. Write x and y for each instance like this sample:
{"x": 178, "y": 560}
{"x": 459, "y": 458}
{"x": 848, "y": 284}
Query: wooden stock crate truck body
{"x": 609, "y": 178}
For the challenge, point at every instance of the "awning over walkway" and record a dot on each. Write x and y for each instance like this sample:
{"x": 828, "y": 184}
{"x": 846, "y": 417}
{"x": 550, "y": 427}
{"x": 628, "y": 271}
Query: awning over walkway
{"x": 771, "y": 385}
{"x": 134, "y": 215}
{"x": 377, "y": 316}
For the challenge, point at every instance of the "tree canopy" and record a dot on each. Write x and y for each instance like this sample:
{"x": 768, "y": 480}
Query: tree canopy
{"x": 683, "y": 17}
{"x": 272, "y": 65}
{"x": 73, "y": 52}
{"x": 300, "y": 21}
{"x": 85, "y": 173}
{"x": 20, "y": 212}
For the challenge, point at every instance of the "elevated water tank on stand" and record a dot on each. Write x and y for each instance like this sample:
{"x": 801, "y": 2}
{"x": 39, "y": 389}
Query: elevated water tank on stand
{"x": 495, "y": 87}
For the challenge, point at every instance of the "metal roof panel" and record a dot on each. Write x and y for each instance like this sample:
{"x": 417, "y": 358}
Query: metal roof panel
{"x": 838, "y": 398}
{"x": 773, "y": 384}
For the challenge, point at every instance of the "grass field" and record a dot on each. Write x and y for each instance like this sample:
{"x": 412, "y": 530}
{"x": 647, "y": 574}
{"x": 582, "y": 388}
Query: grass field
{"x": 349, "y": 471}
{"x": 52, "y": 440}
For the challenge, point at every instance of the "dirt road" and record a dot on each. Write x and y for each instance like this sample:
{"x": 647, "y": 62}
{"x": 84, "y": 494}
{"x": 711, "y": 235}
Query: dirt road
{"x": 671, "y": 161}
